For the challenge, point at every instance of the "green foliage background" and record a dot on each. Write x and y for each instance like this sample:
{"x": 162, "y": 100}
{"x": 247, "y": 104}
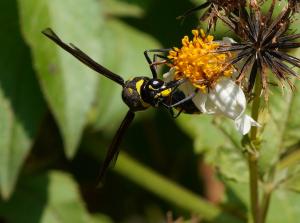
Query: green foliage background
{"x": 57, "y": 119}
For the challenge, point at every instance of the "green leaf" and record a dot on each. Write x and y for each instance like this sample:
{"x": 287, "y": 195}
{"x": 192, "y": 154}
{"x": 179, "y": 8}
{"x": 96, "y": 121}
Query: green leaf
{"x": 200, "y": 127}
{"x": 284, "y": 207}
{"x": 293, "y": 183}
{"x": 69, "y": 86}
{"x": 289, "y": 178}
{"x": 124, "y": 55}
{"x": 21, "y": 104}
{"x": 99, "y": 218}
{"x": 120, "y": 8}
{"x": 236, "y": 198}
{"x": 220, "y": 142}
{"x": 282, "y": 129}
{"x": 51, "y": 198}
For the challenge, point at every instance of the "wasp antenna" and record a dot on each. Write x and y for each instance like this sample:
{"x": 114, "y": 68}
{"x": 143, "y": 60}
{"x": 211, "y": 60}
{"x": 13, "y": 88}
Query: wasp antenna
{"x": 84, "y": 58}
{"x": 114, "y": 148}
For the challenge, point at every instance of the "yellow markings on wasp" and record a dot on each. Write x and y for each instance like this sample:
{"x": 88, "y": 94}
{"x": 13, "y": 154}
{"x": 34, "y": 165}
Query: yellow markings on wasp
{"x": 151, "y": 88}
{"x": 166, "y": 92}
{"x": 130, "y": 90}
{"x": 138, "y": 85}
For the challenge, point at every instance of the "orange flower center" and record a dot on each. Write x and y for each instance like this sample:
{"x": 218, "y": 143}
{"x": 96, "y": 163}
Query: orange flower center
{"x": 197, "y": 62}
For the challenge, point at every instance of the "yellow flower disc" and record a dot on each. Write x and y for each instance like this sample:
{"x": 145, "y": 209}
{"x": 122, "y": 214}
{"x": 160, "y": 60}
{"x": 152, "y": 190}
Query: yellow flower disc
{"x": 197, "y": 62}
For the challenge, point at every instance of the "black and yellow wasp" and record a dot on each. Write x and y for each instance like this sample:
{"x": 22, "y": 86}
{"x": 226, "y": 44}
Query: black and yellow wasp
{"x": 138, "y": 93}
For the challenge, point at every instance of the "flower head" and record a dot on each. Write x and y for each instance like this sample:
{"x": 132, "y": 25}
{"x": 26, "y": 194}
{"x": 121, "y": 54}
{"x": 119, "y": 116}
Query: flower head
{"x": 196, "y": 62}
{"x": 204, "y": 69}
{"x": 227, "y": 99}
{"x": 263, "y": 44}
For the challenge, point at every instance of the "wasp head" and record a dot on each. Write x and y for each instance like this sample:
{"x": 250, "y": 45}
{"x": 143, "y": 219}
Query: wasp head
{"x": 155, "y": 91}
{"x": 141, "y": 92}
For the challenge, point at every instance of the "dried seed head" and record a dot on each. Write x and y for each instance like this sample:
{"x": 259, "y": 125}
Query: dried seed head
{"x": 213, "y": 8}
{"x": 263, "y": 44}
{"x": 294, "y": 5}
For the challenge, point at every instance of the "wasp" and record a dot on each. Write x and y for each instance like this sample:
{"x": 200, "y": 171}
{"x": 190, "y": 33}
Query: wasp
{"x": 138, "y": 93}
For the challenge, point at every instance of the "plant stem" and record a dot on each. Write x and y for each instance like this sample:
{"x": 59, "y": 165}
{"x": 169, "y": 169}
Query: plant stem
{"x": 255, "y": 110}
{"x": 252, "y": 162}
{"x": 265, "y": 205}
{"x": 253, "y": 156}
{"x": 170, "y": 191}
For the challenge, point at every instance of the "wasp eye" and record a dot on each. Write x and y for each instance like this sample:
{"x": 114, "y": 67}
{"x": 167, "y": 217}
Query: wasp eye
{"x": 156, "y": 83}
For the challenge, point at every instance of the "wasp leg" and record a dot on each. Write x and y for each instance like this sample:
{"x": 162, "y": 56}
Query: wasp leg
{"x": 155, "y": 60}
{"x": 154, "y": 64}
{"x": 190, "y": 97}
{"x": 178, "y": 113}
{"x": 114, "y": 147}
{"x": 175, "y": 84}
{"x": 159, "y": 56}
{"x": 158, "y": 62}
{"x": 146, "y": 53}
{"x": 177, "y": 104}
{"x": 183, "y": 100}
{"x": 171, "y": 110}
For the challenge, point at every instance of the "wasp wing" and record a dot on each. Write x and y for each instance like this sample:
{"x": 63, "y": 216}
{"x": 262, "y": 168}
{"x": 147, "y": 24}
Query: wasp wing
{"x": 114, "y": 147}
{"x": 83, "y": 57}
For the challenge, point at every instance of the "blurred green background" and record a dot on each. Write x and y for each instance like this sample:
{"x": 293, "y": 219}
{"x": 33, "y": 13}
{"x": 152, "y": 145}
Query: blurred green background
{"x": 57, "y": 119}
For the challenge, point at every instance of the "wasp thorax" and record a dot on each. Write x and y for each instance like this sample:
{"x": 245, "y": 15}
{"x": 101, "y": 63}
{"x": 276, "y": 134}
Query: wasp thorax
{"x": 131, "y": 93}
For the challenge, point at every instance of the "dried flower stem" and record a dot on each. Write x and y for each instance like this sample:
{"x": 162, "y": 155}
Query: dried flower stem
{"x": 253, "y": 156}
